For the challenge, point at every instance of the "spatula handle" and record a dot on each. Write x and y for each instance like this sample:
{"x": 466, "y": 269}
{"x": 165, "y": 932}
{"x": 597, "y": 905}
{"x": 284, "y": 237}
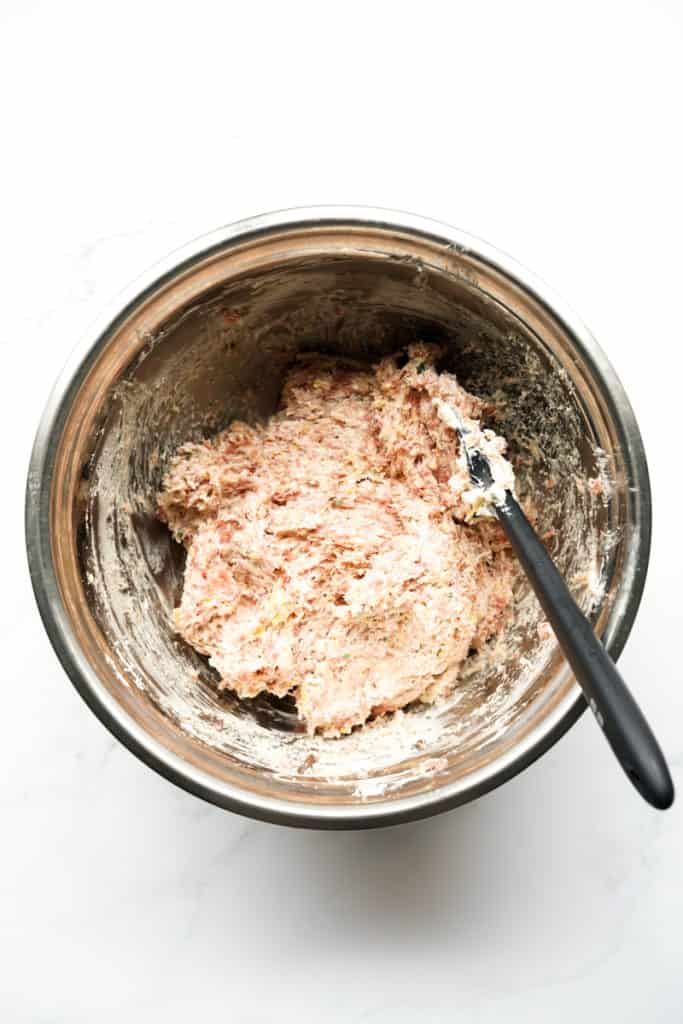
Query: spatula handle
{"x": 617, "y": 713}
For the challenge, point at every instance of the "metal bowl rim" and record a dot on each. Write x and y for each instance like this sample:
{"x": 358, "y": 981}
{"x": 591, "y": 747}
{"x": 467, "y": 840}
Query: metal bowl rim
{"x": 55, "y": 620}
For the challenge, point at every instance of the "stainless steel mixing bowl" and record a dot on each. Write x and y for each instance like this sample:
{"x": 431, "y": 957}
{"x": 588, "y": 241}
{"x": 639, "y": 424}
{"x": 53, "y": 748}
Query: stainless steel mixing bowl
{"x": 207, "y": 336}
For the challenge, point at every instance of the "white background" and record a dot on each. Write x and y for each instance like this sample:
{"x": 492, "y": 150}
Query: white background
{"x": 554, "y": 132}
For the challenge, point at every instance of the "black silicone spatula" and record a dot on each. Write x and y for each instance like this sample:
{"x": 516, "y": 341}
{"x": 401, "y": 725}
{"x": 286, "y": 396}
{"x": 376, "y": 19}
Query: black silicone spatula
{"x": 618, "y": 715}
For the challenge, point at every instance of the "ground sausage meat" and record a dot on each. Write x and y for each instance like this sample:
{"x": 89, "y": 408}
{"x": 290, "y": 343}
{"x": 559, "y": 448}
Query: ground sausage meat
{"x": 328, "y": 553}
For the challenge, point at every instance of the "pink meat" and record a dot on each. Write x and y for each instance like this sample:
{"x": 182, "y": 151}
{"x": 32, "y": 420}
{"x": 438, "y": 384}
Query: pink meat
{"x": 324, "y": 555}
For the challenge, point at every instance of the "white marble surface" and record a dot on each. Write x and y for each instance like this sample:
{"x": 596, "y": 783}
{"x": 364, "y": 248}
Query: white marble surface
{"x": 555, "y": 134}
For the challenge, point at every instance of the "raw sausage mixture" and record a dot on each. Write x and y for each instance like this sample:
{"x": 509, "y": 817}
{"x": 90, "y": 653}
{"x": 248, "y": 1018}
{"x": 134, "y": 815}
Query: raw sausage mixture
{"x": 332, "y": 552}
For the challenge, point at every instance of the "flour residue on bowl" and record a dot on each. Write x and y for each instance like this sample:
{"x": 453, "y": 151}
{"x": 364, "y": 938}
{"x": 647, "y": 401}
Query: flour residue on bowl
{"x": 226, "y": 359}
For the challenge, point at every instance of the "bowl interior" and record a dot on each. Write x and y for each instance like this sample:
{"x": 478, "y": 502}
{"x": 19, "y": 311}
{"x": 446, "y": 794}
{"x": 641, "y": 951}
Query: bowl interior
{"x": 210, "y": 342}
